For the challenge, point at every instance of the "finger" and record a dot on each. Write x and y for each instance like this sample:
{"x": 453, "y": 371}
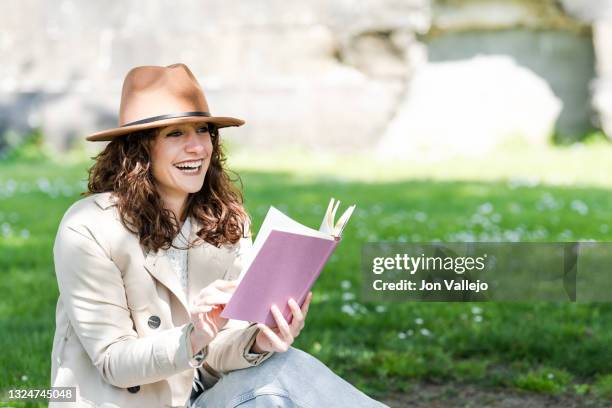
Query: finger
{"x": 226, "y": 285}
{"x": 211, "y": 322}
{"x": 212, "y": 300}
{"x": 282, "y": 324}
{"x": 306, "y": 304}
{"x": 200, "y": 308}
{"x": 298, "y": 318}
{"x": 277, "y": 343}
{"x": 218, "y": 285}
{"x": 228, "y": 293}
{"x": 214, "y": 292}
{"x": 202, "y": 321}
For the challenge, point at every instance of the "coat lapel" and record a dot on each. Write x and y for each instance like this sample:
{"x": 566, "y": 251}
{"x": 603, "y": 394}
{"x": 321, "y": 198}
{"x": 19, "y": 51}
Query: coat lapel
{"x": 205, "y": 262}
{"x": 160, "y": 268}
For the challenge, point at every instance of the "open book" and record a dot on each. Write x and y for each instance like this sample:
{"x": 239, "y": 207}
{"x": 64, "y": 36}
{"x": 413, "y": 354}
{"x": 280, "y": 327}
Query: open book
{"x": 285, "y": 261}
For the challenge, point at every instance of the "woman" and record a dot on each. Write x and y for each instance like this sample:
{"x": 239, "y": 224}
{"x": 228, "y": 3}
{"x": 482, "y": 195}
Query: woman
{"x": 147, "y": 260}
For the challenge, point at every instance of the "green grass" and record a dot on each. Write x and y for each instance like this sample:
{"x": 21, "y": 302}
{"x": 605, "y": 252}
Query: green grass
{"x": 554, "y": 195}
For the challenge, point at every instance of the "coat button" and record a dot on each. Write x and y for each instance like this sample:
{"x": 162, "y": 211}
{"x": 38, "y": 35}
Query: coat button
{"x": 154, "y": 322}
{"x": 134, "y": 389}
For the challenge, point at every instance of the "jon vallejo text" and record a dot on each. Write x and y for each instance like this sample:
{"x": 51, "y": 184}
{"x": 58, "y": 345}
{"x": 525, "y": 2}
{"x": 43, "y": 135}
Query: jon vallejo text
{"x": 413, "y": 264}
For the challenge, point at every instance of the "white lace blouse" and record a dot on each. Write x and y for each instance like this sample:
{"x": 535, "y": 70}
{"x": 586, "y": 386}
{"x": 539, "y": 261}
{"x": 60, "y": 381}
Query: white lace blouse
{"x": 178, "y": 256}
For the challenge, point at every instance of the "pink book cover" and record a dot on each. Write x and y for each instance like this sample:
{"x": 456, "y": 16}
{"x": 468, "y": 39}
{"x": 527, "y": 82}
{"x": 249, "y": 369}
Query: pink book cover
{"x": 286, "y": 267}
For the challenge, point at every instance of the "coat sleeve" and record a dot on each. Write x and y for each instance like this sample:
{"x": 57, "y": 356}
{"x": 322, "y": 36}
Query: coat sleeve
{"x": 91, "y": 289}
{"x": 229, "y": 350}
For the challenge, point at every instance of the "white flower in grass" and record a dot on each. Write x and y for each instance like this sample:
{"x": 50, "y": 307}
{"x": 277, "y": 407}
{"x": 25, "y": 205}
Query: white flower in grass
{"x": 381, "y": 309}
{"x": 25, "y": 234}
{"x": 24, "y": 378}
{"x": 580, "y": 207}
{"x": 476, "y": 310}
{"x": 418, "y": 321}
{"x": 43, "y": 185}
{"x": 425, "y": 332}
{"x": 485, "y": 208}
{"x": 6, "y": 229}
{"x": 11, "y": 186}
{"x": 401, "y": 335}
{"x": 345, "y": 284}
{"x": 348, "y": 309}
{"x": 477, "y": 318}
{"x": 550, "y": 376}
{"x": 358, "y": 307}
{"x": 420, "y": 216}
{"x": 348, "y": 296}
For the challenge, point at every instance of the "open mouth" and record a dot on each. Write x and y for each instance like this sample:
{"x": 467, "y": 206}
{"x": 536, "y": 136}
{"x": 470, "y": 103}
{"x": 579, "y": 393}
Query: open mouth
{"x": 190, "y": 167}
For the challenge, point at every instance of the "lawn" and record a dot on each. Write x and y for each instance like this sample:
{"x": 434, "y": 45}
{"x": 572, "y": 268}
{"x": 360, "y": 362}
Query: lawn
{"x": 560, "y": 194}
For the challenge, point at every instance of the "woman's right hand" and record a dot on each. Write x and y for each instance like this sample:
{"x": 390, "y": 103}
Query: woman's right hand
{"x": 206, "y": 311}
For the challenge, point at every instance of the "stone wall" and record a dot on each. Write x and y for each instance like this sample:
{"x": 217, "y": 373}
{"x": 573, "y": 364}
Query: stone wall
{"x": 294, "y": 70}
{"x": 329, "y": 75}
{"x": 497, "y": 71}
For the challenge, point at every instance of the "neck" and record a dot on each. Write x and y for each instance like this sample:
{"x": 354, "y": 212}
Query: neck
{"x": 175, "y": 203}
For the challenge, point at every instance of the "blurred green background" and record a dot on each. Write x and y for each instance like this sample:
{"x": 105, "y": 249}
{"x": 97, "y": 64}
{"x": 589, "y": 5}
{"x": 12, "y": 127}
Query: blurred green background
{"x": 386, "y": 349}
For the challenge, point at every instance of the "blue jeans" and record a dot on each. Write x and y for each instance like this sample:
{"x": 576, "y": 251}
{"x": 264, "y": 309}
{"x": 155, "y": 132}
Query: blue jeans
{"x": 293, "y": 379}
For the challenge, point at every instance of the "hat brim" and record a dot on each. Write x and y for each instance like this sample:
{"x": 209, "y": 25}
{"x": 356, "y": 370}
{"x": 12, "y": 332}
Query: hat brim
{"x": 108, "y": 135}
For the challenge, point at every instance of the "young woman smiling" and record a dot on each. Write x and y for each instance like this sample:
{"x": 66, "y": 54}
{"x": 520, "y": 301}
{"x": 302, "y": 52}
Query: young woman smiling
{"x": 146, "y": 261}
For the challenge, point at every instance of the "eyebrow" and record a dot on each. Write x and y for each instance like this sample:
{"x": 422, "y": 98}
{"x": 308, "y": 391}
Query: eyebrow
{"x": 178, "y": 126}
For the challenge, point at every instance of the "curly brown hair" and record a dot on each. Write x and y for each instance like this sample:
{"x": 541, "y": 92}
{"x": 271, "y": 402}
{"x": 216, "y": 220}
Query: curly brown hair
{"x": 124, "y": 168}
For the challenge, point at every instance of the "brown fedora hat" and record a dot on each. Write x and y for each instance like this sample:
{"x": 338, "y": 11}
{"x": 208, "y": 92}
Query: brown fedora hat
{"x": 154, "y": 96}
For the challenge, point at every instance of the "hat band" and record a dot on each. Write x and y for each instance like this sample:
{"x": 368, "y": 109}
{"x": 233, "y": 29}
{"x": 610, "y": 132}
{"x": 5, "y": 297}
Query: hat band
{"x": 168, "y": 116}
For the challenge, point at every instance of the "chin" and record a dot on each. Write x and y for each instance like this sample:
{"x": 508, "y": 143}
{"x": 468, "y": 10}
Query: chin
{"x": 193, "y": 190}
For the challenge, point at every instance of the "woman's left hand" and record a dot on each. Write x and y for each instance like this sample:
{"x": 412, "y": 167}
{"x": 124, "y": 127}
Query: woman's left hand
{"x": 281, "y": 337}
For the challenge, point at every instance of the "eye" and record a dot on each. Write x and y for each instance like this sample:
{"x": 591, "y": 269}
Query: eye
{"x": 203, "y": 129}
{"x": 175, "y": 133}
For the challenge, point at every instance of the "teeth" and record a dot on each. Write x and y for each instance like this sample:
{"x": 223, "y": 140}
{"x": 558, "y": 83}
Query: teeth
{"x": 189, "y": 165}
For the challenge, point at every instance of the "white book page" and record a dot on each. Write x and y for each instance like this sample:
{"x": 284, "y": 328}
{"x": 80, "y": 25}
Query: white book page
{"x": 276, "y": 220}
{"x": 328, "y": 226}
{"x": 339, "y": 227}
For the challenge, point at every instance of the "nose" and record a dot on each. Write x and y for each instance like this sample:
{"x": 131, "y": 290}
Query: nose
{"x": 194, "y": 143}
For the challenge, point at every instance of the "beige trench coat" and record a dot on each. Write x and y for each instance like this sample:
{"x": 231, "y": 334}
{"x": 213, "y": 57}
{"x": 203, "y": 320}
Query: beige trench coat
{"x": 122, "y": 317}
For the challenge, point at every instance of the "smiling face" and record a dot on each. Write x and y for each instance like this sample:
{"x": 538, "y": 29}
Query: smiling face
{"x": 180, "y": 155}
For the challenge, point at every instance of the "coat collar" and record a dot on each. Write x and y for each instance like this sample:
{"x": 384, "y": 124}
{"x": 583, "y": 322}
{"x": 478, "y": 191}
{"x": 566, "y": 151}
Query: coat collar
{"x": 205, "y": 262}
{"x": 105, "y": 200}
